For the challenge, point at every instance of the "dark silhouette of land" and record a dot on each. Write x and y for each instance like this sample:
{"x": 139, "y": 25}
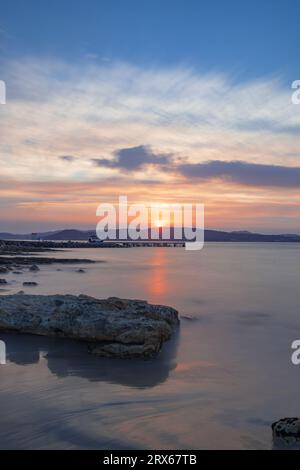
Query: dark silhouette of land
{"x": 209, "y": 236}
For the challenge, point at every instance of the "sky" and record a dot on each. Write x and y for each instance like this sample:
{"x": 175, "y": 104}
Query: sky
{"x": 163, "y": 101}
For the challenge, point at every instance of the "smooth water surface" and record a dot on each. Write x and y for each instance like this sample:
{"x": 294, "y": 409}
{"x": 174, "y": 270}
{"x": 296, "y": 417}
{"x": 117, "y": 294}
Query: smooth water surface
{"x": 219, "y": 383}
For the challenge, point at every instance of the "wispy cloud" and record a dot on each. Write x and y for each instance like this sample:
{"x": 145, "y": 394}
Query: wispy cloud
{"x": 127, "y": 125}
{"x": 244, "y": 173}
{"x": 67, "y": 158}
{"x": 92, "y": 110}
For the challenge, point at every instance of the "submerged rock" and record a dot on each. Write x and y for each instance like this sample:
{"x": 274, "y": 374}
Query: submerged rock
{"x": 30, "y": 283}
{"x": 114, "y": 327}
{"x": 286, "y": 432}
{"x": 3, "y": 281}
{"x": 34, "y": 267}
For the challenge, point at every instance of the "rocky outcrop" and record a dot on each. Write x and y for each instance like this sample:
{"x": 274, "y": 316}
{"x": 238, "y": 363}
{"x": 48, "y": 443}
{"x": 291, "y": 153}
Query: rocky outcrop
{"x": 34, "y": 268}
{"x": 113, "y": 327}
{"x": 8, "y": 261}
{"x": 286, "y": 432}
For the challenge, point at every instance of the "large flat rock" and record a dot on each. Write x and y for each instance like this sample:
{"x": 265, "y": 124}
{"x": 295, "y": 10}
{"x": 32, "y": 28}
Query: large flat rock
{"x": 113, "y": 327}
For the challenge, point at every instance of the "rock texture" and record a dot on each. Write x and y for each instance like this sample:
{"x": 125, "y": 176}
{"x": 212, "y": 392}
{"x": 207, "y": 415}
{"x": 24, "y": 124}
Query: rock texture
{"x": 113, "y": 327}
{"x": 34, "y": 267}
{"x": 286, "y": 432}
{"x": 8, "y": 261}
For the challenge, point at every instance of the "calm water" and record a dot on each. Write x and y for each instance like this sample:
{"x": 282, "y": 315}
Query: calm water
{"x": 219, "y": 383}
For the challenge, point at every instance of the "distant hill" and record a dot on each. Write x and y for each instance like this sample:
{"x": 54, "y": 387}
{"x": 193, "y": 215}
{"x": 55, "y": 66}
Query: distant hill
{"x": 69, "y": 234}
{"x": 218, "y": 236}
{"x": 13, "y": 236}
{"x": 209, "y": 235}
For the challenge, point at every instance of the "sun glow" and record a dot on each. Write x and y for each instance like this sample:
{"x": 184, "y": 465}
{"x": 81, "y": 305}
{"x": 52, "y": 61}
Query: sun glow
{"x": 160, "y": 223}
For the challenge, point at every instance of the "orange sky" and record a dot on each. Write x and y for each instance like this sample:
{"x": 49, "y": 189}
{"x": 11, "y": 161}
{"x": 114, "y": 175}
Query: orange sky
{"x": 90, "y": 138}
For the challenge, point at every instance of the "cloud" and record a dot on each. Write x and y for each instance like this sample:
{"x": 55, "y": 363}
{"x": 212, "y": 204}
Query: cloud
{"x": 67, "y": 158}
{"x": 133, "y": 158}
{"x": 111, "y": 108}
{"x": 91, "y": 56}
{"x": 244, "y": 173}
{"x": 95, "y": 108}
{"x": 200, "y": 127}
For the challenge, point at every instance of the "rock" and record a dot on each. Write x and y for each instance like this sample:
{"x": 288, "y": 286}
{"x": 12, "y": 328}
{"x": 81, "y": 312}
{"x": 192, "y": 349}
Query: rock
{"x": 34, "y": 267}
{"x": 114, "y": 327}
{"x": 29, "y": 260}
{"x": 126, "y": 350}
{"x": 188, "y": 317}
{"x": 30, "y": 283}
{"x": 3, "y": 281}
{"x": 286, "y": 432}
{"x": 17, "y": 272}
{"x": 3, "y": 269}
{"x": 80, "y": 271}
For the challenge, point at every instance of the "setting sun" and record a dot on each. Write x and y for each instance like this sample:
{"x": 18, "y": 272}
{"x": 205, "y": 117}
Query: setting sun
{"x": 160, "y": 223}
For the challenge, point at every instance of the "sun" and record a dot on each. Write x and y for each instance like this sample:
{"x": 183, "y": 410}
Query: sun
{"x": 159, "y": 223}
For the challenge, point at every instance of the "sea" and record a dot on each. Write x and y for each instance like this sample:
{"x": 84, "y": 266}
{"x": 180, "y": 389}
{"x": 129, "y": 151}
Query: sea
{"x": 219, "y": 383}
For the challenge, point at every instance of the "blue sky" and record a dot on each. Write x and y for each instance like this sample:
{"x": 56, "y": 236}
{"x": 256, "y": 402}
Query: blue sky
{"x": 246, "y": 38}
